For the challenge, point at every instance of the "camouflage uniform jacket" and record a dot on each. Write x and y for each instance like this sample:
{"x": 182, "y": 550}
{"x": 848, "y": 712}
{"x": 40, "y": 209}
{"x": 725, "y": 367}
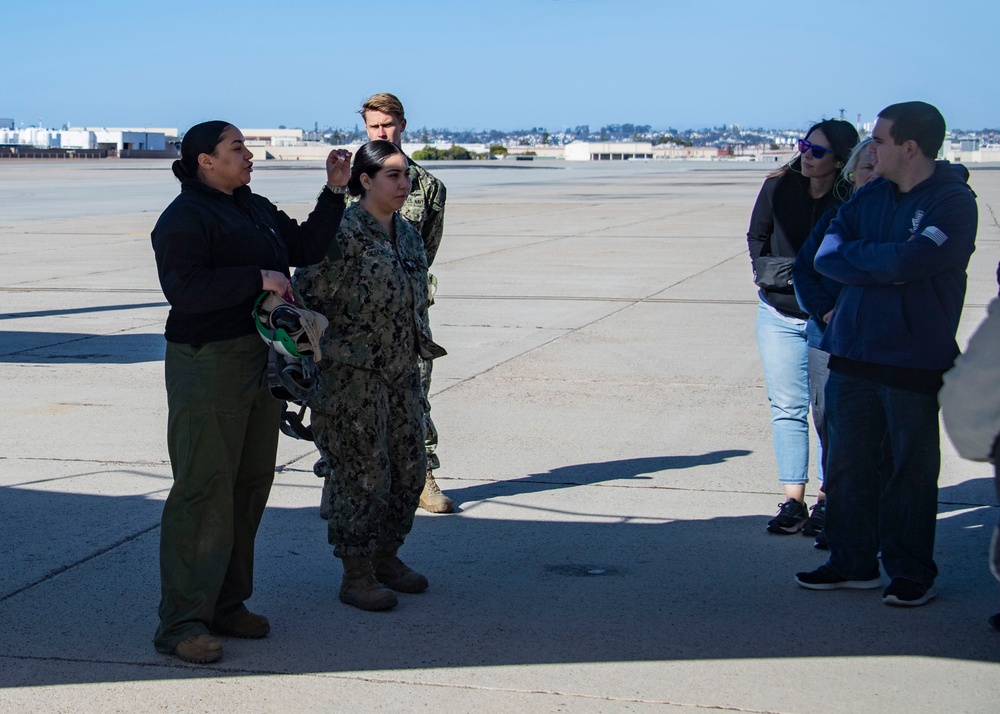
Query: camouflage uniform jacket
{"x": 375, "y": 296}
{"x": 424, "y": 208}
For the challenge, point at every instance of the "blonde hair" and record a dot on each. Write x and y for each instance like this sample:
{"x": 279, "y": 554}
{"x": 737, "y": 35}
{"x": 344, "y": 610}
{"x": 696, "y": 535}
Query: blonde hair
{"x": 851, "y": 165}
{"x": 385, "y": 103}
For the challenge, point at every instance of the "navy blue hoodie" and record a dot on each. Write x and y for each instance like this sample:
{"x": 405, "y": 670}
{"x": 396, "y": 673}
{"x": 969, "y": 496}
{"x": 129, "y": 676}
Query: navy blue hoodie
{"x": 902, "y": 259}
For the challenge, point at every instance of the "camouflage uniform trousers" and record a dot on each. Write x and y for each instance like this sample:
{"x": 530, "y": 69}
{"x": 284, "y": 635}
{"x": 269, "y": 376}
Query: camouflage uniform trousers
{"x": 430, "y": 431}
{"x": 370, "y": 436}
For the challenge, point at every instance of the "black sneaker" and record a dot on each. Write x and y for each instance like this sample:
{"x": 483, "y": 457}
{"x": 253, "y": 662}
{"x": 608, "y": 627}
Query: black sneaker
{"x": 825, "y": 579}
{"x": 908, "y": 593}
{"x": 817, "y": 519}
{"x": 821, "y": 542}
{"x": 792, "y": 515}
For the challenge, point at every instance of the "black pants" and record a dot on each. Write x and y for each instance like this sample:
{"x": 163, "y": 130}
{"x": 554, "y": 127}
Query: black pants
{"x": 222, "y": 435}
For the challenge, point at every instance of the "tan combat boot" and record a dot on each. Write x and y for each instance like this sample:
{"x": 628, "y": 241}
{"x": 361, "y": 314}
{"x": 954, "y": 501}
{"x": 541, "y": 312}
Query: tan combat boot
{"x": 431, "y": 498}
{"x": 361, "y": 589}
{"x": 396, "y": 574}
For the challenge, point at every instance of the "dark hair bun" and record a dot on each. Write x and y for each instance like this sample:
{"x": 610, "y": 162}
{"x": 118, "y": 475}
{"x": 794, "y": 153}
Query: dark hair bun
{"x": 369, "y": 160}
{"x": 199, "y": 139}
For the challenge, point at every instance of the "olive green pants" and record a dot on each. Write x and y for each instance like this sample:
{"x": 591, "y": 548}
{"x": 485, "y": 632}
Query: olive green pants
{"x": 222, "y": 436}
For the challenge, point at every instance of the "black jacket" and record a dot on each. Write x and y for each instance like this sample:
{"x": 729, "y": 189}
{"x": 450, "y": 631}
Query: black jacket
{"x": 210, "y": 248}
{"x": 781, "y": 221}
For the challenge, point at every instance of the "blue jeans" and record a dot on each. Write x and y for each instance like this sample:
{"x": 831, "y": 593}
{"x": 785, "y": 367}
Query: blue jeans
{"x": 784, "y": 355}
{"x": 882, "y": 464}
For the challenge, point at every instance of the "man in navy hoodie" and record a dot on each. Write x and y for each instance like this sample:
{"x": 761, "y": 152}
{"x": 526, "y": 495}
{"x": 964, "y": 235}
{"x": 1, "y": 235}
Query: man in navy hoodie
{"x": 901, "y": 247}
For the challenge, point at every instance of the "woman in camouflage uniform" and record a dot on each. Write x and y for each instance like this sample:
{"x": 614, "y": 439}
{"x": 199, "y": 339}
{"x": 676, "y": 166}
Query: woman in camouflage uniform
{"x": 367, "y": 414}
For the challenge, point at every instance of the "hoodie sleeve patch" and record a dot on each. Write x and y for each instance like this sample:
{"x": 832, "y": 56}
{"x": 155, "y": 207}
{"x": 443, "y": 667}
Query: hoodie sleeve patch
{"x": 935, "y": 234}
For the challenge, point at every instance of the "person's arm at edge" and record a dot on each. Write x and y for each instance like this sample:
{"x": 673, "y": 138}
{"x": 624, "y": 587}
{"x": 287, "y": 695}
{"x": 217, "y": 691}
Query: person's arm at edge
{"x": 812, "y": 295}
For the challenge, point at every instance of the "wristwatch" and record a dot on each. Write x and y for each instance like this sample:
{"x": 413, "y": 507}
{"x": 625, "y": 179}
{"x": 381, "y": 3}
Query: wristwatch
{"x": 336, "y": 189}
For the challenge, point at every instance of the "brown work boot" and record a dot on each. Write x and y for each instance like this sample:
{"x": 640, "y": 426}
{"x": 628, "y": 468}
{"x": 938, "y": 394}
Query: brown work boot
{"x": 246, "y": 625}
{"x": 431, "y": 498}
{"x": 361, "y": 589}
{"x": 199, "y": 649}
{"x": 326, "y": 502}
{"x": 399, "y": 576}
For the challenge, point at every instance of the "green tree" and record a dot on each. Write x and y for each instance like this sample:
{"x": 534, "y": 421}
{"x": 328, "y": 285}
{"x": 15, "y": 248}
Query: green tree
{"x": 498, "y": 150}
{"x": 428, "y": 153}
{"x": 458, "y": 153}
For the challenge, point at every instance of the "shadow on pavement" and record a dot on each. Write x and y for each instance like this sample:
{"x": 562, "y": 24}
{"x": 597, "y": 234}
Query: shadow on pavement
{"x": 61, "y": 312}
{"x": 590, "y": 474}
{"x": 79, "y": 588}
{"x": 73, "y": 347}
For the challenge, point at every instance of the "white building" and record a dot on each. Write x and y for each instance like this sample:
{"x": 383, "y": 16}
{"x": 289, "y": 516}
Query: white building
{"x": 81, "y": 138}
{"x": 635, "y": 150}
{"x": 77, "y": 139}
{"x": 273, "y": 137}
{"x": 120, "y": 140}
{"x": 607, "y": 151}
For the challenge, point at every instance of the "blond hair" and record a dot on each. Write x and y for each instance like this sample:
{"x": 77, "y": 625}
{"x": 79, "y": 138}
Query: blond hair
{"x": 385, "y": 103}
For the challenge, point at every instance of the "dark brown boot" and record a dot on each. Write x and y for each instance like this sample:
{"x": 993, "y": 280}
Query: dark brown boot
{"x": 246, "y": 625}
{"x": 399, "y": 576}
{"x": 199, "y": 649}
{"x": 361, "y": 589}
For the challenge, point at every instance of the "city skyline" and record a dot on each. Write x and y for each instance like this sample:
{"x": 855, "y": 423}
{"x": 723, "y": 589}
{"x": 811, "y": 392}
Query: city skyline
{"x": 551, "y": 64}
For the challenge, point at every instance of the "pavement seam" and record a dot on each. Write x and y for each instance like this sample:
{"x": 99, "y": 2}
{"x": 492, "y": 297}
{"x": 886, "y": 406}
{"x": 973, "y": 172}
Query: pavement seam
{"x": 64, "y": 568}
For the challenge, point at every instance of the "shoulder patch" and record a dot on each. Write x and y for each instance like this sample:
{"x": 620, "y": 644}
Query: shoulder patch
{"x": 935, "y": 234}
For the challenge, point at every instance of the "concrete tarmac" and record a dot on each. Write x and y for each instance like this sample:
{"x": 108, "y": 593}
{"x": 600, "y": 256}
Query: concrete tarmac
{"x": 604, "y": 432}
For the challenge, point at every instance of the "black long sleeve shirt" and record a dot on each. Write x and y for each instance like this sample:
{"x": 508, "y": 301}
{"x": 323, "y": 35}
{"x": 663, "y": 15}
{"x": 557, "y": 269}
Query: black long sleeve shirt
{"x": 211, "y": 246}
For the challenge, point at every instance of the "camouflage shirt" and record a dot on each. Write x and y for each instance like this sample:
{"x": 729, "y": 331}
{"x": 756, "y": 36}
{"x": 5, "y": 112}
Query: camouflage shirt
{"x": 424, "y": 208}
{"x": 375, "y": 296}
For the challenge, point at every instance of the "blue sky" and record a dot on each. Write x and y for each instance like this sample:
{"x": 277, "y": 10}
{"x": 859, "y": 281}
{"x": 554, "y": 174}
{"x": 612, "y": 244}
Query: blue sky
{"x": 476, "y": 64}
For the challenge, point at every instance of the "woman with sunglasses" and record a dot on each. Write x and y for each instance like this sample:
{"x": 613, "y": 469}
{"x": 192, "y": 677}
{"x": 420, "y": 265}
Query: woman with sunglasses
{"x": 218, "y": 245}
{"x": 790, "y": 203}
{"x": 368, "y": 411}
{"x": 817, "y": 295}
